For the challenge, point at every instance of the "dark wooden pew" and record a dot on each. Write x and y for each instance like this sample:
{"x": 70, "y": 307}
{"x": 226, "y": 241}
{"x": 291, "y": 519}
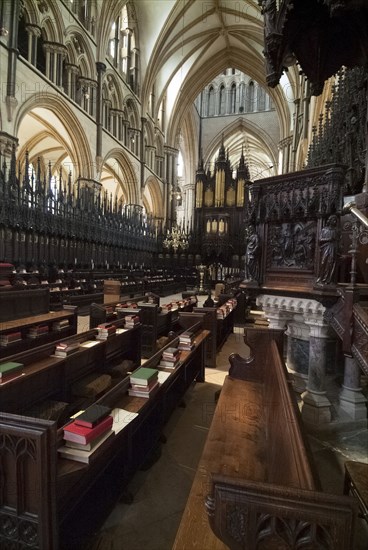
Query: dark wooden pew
{"x": 52, "y": 503}
{"x": 256, "y": 485}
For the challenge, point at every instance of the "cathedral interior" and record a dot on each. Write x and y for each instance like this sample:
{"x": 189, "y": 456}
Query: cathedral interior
{"x": 179, "y": 145}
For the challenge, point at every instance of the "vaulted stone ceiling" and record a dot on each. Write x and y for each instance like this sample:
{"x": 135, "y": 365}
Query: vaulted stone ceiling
{"x": 184, "y": 44}
{"x": 187, "y": 43}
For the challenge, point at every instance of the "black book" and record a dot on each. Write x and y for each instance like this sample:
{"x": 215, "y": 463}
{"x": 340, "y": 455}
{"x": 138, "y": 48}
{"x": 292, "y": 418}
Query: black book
{"x": 92, "y": 416}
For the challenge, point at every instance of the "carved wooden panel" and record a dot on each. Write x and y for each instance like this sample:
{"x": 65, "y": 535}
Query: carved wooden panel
{"x": 291, "y": 245}
{"x": 27, "y": 483}
{"x": 257, "y": 515}
{"x": 360, "y": 338}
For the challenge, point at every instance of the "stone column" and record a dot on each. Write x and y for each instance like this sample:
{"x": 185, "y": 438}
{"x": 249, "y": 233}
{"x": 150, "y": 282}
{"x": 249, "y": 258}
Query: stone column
{"x": 316, "y": 407}
{"x": 10, "y": 27}
{"x": 71, "y": 82}
{"x": 352, "y": 401}
{"x": 274, "y": 309}
{"x": 55, "y": 54}
{"x": 189, "y": 189}
{"x": 34, "y": 33}
{"x": 277, "y": 319}
{"x": 101, "y": 68}
{"x": 170, "y": 178}
{"x": 125, "y": 132}
{"x": 297, "y": 354}
{"x": 143, "y": 153}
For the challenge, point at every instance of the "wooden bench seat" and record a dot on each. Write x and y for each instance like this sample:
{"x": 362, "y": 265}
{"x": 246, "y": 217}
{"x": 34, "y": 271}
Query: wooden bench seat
{"x": 255, "y": 486}
{"x": 356, "y": 483}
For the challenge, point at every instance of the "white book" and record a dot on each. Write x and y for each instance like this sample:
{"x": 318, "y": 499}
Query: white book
{"x": 121, "y": 418}
{"x": 81, "y": 455}
{"x": 163, "y": 376}
{"x": 89, "y": 343}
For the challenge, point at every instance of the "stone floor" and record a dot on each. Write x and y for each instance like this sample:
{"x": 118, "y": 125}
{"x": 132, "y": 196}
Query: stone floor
{"x": 160, "y": 493}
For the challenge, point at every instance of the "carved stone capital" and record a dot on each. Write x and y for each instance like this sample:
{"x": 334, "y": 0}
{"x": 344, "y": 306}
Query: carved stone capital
{"x": 71, "y": 68}
{"x": 7, "y": 142}
{"x": 101, "y": 67}
{"x": 54, "y": 47}
{"x": 189, "y": 186}
{"x": 292, "y": 305}
{"x": 35, "y": 30}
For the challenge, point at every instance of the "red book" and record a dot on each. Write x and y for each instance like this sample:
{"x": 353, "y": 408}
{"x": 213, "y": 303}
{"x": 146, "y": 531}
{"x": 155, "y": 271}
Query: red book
{"x": 92, "y": 416}
{"x": 84, "y": 435}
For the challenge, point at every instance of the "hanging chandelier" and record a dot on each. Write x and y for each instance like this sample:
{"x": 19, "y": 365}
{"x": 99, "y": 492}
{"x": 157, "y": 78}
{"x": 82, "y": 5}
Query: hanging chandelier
{"x": 176, "y": 238}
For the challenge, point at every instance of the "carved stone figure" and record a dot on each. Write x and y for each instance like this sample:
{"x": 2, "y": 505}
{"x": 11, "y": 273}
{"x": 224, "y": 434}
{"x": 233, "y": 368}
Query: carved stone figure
{"x": 328, "y": 242}
{"x": 252, "y": 255}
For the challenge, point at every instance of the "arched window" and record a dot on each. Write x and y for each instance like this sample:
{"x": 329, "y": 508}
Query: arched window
{"x": 113, "y": 47}
{"x": 233, "y": 98}
{"x": 23, "y": 36}
{"x": 211, "y": 102}
{"x": 122, "y": 49}
{"x": 222, "y": 103}
{"x": 250, "y": 98}
{"x": 261, "y": 99}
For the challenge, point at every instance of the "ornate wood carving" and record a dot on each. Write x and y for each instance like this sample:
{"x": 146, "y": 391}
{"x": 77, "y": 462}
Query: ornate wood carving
{"x": 308, "y": 194}
{"x": 288, "y": 211}
{"x": 341, "y": 132}
{"x": 360, "y": 336}
{"x": 31, "y": 208}
{"x": 27, "y": 510}
{"x": 282, "y": 506}
{"x": 291, "y": 245}
{"x": 244, "y": 514}
{"x": 321, "y": 35}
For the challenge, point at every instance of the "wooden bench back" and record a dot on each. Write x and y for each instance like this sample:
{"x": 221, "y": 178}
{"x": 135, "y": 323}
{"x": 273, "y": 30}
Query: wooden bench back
{"x": 286, "y": 444}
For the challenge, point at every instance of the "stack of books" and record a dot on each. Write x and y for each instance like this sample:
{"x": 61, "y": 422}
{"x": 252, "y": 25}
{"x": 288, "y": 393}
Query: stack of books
{"x": 10, "y": 370}
{"x": 131, "y": 321}
{"x": 143, "y": 382}
{"x": 37, "y": 330}
{"x": 64, "y": 349}
{"x": 105, "y": 330}
{"x": 131, "y": 305}
{"x": 221, "y": 312}
{"x": 60, "y": 325}
{"x": 232, "y": 303}
{"x": 186, "y": 340}
{"x": 170, "y": 358}
{"x": 89, "y": 430}
{"x": 10, "y": 338}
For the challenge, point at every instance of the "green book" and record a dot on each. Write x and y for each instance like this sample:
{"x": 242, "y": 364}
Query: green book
{"x": 9, "y": 367}
{"x": 143, "y": 376}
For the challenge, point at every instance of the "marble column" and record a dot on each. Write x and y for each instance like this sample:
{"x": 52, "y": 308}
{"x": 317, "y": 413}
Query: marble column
{"x": 316, "y": 407}
{"x": 297, "y": 353}
{"x": 351, "y": 400}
